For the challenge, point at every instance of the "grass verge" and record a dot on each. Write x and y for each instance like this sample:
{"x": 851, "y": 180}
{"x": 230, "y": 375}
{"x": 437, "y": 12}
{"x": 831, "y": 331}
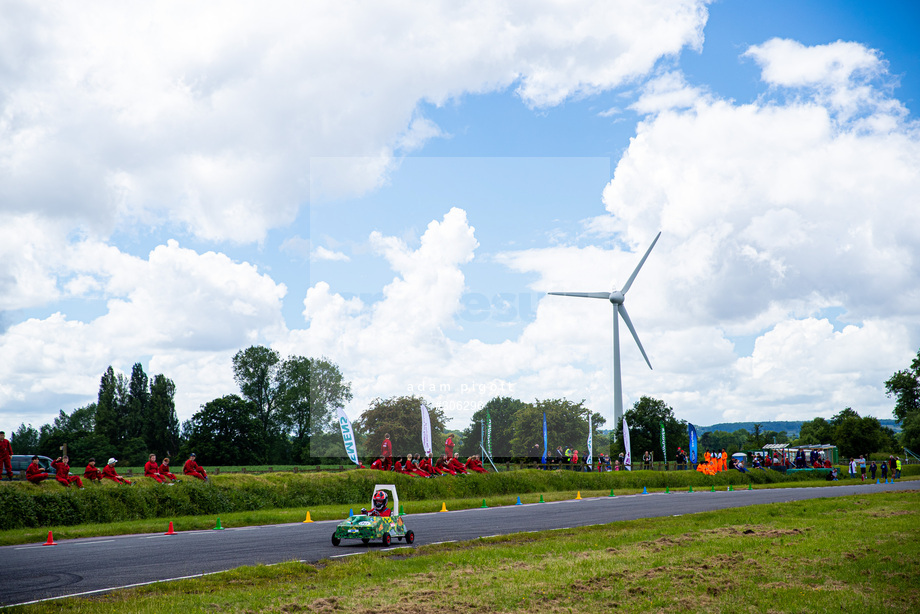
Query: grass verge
{"x": 852, "y": 554}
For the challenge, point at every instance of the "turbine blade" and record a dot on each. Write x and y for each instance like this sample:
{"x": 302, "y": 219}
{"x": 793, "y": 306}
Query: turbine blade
{"x": 641, "y": 262}
{"x": 603, "y": 295}
{"x": 629, "y": 325}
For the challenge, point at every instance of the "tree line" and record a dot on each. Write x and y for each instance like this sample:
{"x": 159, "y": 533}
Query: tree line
{"x": 285, "y": 412}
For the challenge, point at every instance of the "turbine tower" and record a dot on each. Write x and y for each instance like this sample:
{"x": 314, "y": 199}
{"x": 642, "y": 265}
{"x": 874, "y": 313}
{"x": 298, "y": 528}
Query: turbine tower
{"x": 619, "y": 309}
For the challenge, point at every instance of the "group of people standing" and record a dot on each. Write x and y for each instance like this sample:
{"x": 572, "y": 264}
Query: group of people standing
{"x": 892, "y": 466}
{"x": 448, "y": 463}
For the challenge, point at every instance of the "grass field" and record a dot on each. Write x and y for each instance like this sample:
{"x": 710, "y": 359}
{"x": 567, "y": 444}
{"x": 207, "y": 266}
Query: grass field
{"x": 852, "y": 554}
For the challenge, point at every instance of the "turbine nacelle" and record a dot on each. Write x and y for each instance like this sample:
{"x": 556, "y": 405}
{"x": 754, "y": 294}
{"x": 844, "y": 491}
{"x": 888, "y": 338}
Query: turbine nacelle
{"x": 617, "y": 297}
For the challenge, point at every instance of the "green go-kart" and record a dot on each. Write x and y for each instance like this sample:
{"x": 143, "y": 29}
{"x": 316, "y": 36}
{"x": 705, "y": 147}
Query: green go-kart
{"x": 370, "y": 526}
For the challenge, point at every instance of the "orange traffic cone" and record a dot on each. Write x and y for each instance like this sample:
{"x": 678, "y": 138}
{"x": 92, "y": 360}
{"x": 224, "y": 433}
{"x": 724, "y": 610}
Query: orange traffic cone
{"x": 50, "y": 541}
{"x": 170, "y": 532}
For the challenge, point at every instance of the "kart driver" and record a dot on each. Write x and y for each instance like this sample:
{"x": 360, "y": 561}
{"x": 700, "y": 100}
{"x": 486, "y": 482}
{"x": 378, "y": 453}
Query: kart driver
{"x": 380, "y": 505}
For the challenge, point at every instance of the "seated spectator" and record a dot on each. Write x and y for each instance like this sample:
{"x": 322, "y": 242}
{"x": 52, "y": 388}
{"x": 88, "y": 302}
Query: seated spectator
{"x": 164, "y": 470}
{"x": 91, "y": 473}
{"x": 152, "y": 470}
{"x": 63, "y": 473}
{"x": 832, "y": 475}
{"x": 425, "y": 465}
{"x": 379, "y": 464}
{"x": 474, "y": 464}
{"x": 616, "y": 465}
{"x": 827, "y": 464}
{"x": 414, "y": 469}
{"x": 35, "y": 473}
{"x": 443, "y": 467}
{"x": 193, "y": 469}
{"x": 456, "y": 465}
{"x": 108, "y": 472}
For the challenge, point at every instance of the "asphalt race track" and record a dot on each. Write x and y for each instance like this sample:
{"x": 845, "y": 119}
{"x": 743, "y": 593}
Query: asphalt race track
{"x": 93, "y": 565}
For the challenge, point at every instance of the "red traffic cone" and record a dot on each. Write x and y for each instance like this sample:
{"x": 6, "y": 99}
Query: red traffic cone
{"x": 170, "y": 532}
{"x": 50, "y": 541}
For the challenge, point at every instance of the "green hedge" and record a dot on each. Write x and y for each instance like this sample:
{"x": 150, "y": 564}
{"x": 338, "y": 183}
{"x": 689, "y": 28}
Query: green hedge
{"x": 26, "y": 505}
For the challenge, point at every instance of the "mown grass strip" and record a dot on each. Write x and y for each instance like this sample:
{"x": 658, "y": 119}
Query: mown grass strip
{"x": 852, "y": 554}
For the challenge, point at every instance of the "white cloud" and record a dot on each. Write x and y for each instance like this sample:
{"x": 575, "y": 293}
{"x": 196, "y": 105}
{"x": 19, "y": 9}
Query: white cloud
{"x": 206, "y": 116}
{"x": 321, "y": 253}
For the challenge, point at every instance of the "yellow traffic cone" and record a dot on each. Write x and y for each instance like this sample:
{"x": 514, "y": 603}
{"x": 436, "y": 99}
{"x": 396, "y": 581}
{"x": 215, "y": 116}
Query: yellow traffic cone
{"x": 443, "y": 506}
{"x": 308, "y": 518}
{"x": 578, "y": 495}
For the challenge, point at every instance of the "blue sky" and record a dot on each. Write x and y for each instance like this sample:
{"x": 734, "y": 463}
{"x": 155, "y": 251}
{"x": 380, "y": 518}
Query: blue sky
{"x": 399, "y": 189}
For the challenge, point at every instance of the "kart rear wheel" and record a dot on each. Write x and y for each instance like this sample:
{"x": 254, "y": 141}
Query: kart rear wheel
{"x": 365, "y": 540}
{"x": 335, "y": 540}
{"x": 410, "y": 537}
{"x": 386, "y": 539}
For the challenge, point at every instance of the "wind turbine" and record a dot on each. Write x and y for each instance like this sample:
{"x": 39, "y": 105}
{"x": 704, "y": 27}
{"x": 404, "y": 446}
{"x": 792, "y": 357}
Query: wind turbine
{"x": 616, "y": 297}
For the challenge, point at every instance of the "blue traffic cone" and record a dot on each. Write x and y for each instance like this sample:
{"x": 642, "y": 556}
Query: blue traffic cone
{"x": 644, "y": 492}
{"x": 351, "y": 512}
{"x": 518, "y": 501}
{"x": 876, "y": 481}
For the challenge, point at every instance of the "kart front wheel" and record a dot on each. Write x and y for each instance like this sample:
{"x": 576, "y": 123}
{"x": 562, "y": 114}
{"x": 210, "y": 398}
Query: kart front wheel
{"x": 386, "y": 539}
{"x": 410, "y": 537}
{"x": 335, "y": 540}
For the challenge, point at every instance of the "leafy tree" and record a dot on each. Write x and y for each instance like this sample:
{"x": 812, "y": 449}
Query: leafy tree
{"x": 910, "y": 433}
{"x": 224, "y": 432}
{"x": 138, "y": 402}
{"x": 855, "y": 436}
{"x": 904, "y": 385}
{"x": 309, "y": 393}
{"x": 254, "y": 370}
{"x": 723, "y": 440}
{"x": 644, "y": 421}
{"x": 502, "y": 411}
{"x": 161, "y": 425}
{"x": 24, "y": 440}
{"x": 566, "y": 425}
{"x": 107, "y": 424}
{"x": 845, "y": 414}
{"x": 401, "y": 417}
{"x": 815, "y": 432}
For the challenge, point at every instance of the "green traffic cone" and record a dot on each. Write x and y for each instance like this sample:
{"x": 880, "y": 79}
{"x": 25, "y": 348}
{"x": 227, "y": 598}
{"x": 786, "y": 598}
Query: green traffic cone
{"x": 667, "y": 490}
{"x": 730, "y": 489}
{"x": 541, "y": 499}
{"x": 402, "y": 511}
{"x": 712, "y": 488}
{"x": 750, "y": 487}
{"x": 218, "y": 527}
{"x": 691, "y": 490}
{"x": 483, "y": 503}
{"x": 611, "y": 493}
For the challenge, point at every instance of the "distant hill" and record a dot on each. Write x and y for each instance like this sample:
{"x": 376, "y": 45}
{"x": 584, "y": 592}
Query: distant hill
{"x": 792, "y": 428}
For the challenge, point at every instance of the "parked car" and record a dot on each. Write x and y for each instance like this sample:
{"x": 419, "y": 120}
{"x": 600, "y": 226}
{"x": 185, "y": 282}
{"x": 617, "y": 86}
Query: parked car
{"x": 21, "y": 461}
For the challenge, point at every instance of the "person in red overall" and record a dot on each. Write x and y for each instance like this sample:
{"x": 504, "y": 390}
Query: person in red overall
{"x": 425, "y": 465}
{"x": 380, "y": 505}
{"x": 474, "y": 464}
{"x": 193, "y": 469}
{"x": 91, "y": 473}
{"x": 6, "y": 454}
{"x": 386, "y": 450}
{"x": 456, "y": 465}
{"x": 109, "y": 473}
{"x": 378, "y": 464}
{"x": 443, "y": 465}
{"x": 63, "y": 473}
{"x": 164, "y": 470}
{"x": 415, "y": 469}
{"x": 152, "y": 470}
{"x": 449, "y": 446}
{"x": 35, "y": 473}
